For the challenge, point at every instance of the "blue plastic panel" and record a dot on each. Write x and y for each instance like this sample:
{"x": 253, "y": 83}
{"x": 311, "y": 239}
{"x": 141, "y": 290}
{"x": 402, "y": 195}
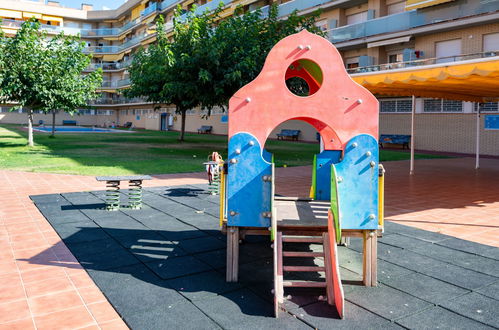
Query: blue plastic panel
{"x": 357, "y": 177}
{"x": 324, "y": 160}
{"x": 248, "y": 195}
{"x": 491, "y": 121}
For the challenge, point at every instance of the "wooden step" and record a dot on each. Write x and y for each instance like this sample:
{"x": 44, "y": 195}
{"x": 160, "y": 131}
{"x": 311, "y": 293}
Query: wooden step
{"x": 302, "y": 239}
{"x": 303, "y": 284}
{"x": 303, "y": 269}
{"x": 302, "y": 254}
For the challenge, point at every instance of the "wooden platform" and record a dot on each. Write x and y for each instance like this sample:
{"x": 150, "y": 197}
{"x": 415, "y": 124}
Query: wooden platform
{"x": 301, "y": 213}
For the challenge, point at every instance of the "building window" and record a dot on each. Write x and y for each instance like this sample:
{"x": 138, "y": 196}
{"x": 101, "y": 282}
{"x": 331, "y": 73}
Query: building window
{"x": 398, "y": 105}
{"x": 84, "y": 112}
{"x": 352, "y": 62}
{"x": 491, "y": 43}
{"x": 395, "y": 58}
{"x": 439, "y": 105}
{"x": 448, "y": 51}
{"x": 395, "y": 8}
{"x": 357, "y": 18}
{"x": 322, "y": 25}
{"x": 487, "y": 107}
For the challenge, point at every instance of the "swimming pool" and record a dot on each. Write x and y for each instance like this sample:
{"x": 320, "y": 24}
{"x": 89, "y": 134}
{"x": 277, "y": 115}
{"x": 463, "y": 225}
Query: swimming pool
{"x": 74, "y": 129}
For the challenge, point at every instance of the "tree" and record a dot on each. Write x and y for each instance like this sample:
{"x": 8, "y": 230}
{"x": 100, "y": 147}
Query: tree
{"x": 163, "y": 73}
{"x": 209, "y": 58}
{"x": 45, "y": 74}
{"x": 242, "y": 43}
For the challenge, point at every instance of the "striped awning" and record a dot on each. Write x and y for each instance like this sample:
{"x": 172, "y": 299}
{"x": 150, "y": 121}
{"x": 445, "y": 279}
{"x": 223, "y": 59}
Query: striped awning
{"x": 415, "y": 4}
{"x": 473, "y": 80}
{"x": 30, "y": 15}
{"x": 10, "y": 13}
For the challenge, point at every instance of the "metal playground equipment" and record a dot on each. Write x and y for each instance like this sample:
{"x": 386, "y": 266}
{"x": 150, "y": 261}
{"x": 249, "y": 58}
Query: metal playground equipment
{"x": 304, "y": 79}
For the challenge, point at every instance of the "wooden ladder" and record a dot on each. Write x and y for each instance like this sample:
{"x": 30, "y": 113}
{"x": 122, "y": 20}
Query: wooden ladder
{"x": 330, "y": 268}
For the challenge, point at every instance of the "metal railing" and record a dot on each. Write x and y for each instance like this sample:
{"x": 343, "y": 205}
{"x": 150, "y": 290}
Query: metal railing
{"x": 109, "y": 65}
{"x": 421, "y": 62}
{"x": 410, "y": 19}
{"x": 153, "y": 7}
{"x": 119, "y": 100}
{"x": 116, "y": 49}
{"x": 123, "y": 82}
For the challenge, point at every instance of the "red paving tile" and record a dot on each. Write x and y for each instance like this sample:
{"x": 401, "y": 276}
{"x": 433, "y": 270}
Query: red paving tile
{"x": 73, "y": 318}
{"x": 14, "y": 311}
{"x": 445, "y": 195}
{"x": 36, "y": 267}
{"x": 25, "y": 324}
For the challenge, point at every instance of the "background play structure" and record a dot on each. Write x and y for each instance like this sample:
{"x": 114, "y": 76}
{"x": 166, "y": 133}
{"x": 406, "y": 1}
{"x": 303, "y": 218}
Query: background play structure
{"x": 304, "y": 79}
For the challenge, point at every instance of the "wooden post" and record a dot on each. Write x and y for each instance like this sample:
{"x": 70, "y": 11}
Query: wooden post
{"x": 374, "y": 258}
{"x": 411, "y": 171}
{"x": 370, "y": 262}
{"x": 477, "y": 156}
{"x": 367, "y": 256}
{"x": 232, "y": 254}
{"x": 278, "y": 273}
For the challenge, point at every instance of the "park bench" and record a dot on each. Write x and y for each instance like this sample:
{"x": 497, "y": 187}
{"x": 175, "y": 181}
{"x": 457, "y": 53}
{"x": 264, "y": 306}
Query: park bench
{"x": 205, "y": 129}
{"x": 69, "y": 123}
{"x": 404, "y": 140}
{"x": 288, "y": 133}
{"x": 113, "y": 190}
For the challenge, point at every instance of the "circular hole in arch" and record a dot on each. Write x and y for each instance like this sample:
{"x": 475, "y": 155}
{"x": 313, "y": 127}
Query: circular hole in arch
{"x": 304, "y": 77}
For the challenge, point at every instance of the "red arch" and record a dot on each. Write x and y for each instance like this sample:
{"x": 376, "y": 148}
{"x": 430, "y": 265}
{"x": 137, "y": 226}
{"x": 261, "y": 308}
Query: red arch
{"x": 339, "y": 110}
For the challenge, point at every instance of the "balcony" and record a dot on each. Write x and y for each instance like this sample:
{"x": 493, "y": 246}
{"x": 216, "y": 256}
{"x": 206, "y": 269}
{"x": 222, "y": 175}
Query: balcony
{"x": 289, "y": 7}
{"x": 153, "y": 7}
{"x": 123, "y": 82}
{"x": 116, "y": 49}
{"x": 409, "y": 19}
{"x": 106, "y": 84}
{"x": 109, "y": 66}
{"x": 52, "y": 29}
{"x": 422, "y": 62}
{"x": 210, "y": 6}
{"x": 118, "y": 100}
{"x": 167, "y": 3}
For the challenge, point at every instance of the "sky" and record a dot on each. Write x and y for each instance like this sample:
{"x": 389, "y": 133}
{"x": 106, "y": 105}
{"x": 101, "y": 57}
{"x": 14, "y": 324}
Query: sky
{"x": 98, "y": 4}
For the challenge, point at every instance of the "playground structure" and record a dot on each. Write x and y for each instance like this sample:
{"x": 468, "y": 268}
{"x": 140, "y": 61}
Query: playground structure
{"x": 304, "y": 79}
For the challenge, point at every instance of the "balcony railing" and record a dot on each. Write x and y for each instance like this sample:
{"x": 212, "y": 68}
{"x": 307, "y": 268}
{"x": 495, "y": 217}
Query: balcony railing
{"x": 123, "y": 82}
{"x": 149, "y": 10}
{"x": 210, "y": 6}
{"x": 10, "y": 23}
{"x": 109, "y": 84}
{"x": 410, "y": 19}
{"x": 167, "y": 3}
{"x": 109, "y": 65}
{"x": 116, "y": 49}
{"x": 421, "y": 62}
{"x": 119, "y": 100}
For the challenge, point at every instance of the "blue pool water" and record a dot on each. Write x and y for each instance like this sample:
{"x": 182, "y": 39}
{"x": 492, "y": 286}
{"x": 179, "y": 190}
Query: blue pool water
{"x": 73, "y": 129}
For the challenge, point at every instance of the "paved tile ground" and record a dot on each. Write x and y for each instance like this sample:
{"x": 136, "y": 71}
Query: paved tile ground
{"x": 447, "y": 196}
{"x": 163, "y": 266}
{"x": 37, "y": 294}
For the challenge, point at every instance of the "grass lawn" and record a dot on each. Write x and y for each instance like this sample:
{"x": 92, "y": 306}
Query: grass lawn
{"x": 142, "y": 152}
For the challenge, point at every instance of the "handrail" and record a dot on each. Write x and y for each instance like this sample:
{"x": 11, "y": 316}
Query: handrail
{"x": 421, "y": 62}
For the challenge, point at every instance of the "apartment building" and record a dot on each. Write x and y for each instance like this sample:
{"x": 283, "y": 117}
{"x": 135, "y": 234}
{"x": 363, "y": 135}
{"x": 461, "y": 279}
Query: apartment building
{"x": 371, "y": 35}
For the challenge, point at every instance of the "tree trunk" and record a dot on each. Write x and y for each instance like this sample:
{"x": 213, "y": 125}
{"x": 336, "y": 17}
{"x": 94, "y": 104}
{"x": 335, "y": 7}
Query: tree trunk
{"x": 53, "y": 123}
{"x": 30, "y": 128}
{"x": 182, "y": 129}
